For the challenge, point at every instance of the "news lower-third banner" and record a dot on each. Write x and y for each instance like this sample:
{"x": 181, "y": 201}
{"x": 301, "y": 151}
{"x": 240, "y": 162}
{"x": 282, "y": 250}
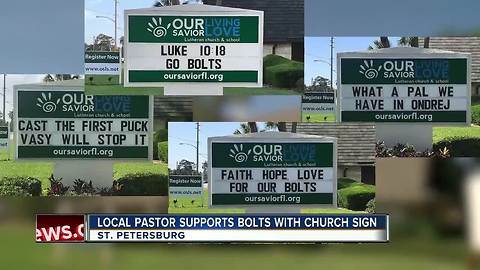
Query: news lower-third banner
{"x": 213, "y": 228}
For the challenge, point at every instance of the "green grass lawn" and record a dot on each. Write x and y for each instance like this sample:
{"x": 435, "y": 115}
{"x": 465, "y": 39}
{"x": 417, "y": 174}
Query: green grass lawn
{"x": 318, "y": 117}
{"x": 100, "y": 85}
{"x": 413, "y": 251}
{"x": 441, "y": 133}
{"x": 102, "y": 80}
{"x": 193, "y": 205}
{"x": 43, "y": 170}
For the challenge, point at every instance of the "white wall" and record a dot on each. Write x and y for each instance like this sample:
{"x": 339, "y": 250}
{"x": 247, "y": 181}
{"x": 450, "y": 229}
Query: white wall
{"x": 354, "y": 173}
{"x": 284, "y": 49}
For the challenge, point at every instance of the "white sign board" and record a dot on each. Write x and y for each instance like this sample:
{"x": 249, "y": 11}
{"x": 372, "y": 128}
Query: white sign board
{"x": 58, "y": 123}
{"x": 102, "y": 63}
{"x": 4, "y": 137}
{"x": 185, "y": 186}
{"x": 272, "y": 169}
{"x": 404, "y": 85}
{"x": 193, "y": 49}
{"x": 318, "y": 107}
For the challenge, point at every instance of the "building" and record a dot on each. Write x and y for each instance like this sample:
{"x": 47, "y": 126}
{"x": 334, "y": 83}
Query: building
{"x": 171, "y": 109}
{"x": 461, "y": 44}
{"x": 356, "y": 147}
{"x": 283, "y": 24}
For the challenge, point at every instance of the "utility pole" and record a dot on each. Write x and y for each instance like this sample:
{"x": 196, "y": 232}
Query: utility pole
{"x": 198, "y": 131}
{"x": 331, "y": 63}
{"x": 116, "y": 15}
{"x": 4, "y": 95}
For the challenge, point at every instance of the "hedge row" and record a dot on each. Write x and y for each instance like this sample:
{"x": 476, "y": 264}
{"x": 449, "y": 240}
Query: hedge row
{"x": 476, "y": 114}
{"x": 20, "y": 186}
{"x": 143, "y": 184}
{"x": 459, "y": 147}
{"x": 355, "y": 195}
{"x": 140, "y": 184}
{"x": 282, "y": 72}
{"x": 163, "y": 151}
{"x": 160, "y": 135}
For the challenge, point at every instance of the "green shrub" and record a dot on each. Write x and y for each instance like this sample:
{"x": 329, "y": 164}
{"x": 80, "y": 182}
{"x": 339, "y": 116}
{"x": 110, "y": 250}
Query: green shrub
{"x": 163, "y": 151}
{"x": 160, "y": 135}
{"x": 273, "y": 60}
{"x": 143, "y": 184}
{"x": 476, "y": 114}
{"x": 459, "y": 147}
{"x": 356, "y": 197}
{"x": 346, "y": 182}
{"x": 371, "y": 206}
{"x": 284, "y": 75}
{"x": 20, "y": 186}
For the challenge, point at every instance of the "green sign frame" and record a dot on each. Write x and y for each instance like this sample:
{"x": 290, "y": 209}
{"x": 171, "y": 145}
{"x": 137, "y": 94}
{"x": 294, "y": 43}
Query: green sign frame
{"x": 411, "y": 68}
{"x": 297, "y": 151}
{"x": 43, "y": 105}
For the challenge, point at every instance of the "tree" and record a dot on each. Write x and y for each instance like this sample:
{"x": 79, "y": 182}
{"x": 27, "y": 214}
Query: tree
{"x": 101, "y": 42}
{"x": 384, "y": 42}
{"x": 205, "y": 170}
{"x": 408, "y": 42}
{"x": 185, "y": 167}
{"x": 2, "y": 123}
{"x": 10, "y": 115}
{"x": 319, "y": 84}
{"x": 414, "y": 42}
{"x": 59, "y": 77}
{"x": 165, "y": 3}
{"x": 245, "y": 128}
{"x": 381, "y": 43}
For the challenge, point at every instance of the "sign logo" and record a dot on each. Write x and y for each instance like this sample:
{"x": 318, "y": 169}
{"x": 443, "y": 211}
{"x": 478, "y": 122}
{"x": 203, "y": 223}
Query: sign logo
{"x": 238, "y": 154}
{"x": 156, "y": 28}
{"x": 368, "y": 70}
{"x": 46, "y": 103}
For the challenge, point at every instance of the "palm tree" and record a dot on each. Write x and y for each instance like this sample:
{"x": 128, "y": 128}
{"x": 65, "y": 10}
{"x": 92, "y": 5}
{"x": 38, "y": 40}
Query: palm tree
{"x": 164, "y": 3}
{"x": 381, "y": 43}
{"x": 59, "y": 77}
{"x": 245, "y": 128}
{"x": 408, "y": 42}
{"x": 414, "y": 42}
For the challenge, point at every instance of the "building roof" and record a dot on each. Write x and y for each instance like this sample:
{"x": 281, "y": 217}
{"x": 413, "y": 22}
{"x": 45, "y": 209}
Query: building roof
{"x": 283, "y": 19}
{"x": 355, "y": 141}
{"x": 460, "y": 44}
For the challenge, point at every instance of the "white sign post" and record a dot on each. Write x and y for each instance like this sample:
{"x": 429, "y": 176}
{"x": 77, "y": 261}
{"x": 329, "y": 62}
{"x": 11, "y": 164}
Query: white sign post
{"x": 4, "y": 138}
{"x": 102, "y": 68}
{"x": 193, "y": 49}
{"x": 272, "y": 172}
{"x": 405, "y": 91}
{"x": 318, "y": 107}
{"x": 83, "y": 134}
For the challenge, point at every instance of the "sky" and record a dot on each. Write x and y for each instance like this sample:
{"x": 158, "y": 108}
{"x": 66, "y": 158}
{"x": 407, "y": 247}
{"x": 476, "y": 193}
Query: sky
{"x": 94, "y": 8}
{"x": 11, "y": 81}
{"x": 185, "y": 132}
{"x": 318, "y": 48}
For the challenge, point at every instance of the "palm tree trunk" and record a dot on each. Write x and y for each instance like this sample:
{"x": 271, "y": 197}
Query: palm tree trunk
{"x": 282, "y": 126}
{"x": 385, "y": 42}
{"x": 426, "y": 42}
{"x": 253, "y": 126}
